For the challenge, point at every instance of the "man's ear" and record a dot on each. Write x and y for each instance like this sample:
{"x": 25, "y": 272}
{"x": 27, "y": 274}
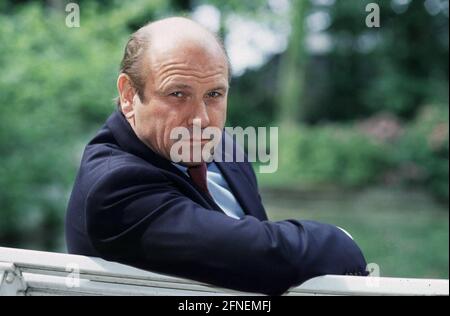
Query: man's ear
{"x": 126, "y": 95}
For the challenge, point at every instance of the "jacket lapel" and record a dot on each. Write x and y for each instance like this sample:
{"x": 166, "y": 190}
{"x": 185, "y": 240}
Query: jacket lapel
{"x": 127, "y": 140}
{"x": 238, "y": 182}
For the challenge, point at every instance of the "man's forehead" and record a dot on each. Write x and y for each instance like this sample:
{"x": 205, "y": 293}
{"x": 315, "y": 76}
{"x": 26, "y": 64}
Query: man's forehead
{"x": 186, "y": 55}
{"x": 194, "y": 57}
{"x": 187, "y": 77}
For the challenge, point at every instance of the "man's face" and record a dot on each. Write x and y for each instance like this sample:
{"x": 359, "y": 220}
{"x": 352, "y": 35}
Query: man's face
{"x": 184, "y": 84}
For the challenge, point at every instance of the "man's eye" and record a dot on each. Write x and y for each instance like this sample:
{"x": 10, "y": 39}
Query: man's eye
{"x": 214, "y": 94}
{"x": 177, "y": 94}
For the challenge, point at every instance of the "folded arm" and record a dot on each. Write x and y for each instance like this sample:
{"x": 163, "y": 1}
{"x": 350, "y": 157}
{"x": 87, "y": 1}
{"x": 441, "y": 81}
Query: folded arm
{"x": 140, "y": 218}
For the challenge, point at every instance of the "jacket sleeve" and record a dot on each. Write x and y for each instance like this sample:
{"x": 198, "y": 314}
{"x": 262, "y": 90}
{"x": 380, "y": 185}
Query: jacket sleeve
{"x": 138, "y": 217}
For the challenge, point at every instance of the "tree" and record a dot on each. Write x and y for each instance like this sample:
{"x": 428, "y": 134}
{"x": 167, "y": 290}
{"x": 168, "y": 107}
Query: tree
{"x": 292, "y": 67}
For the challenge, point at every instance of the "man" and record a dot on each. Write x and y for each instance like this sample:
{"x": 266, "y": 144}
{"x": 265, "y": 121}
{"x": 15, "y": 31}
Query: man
{"x": 132, "y": 204}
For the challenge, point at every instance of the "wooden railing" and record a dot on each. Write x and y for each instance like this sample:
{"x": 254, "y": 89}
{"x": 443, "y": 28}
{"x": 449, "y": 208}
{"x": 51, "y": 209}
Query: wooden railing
{"x": 27, "y": 272}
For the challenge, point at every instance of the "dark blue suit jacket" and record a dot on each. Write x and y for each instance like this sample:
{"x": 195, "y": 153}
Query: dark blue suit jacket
{"x": 131, "y": 206}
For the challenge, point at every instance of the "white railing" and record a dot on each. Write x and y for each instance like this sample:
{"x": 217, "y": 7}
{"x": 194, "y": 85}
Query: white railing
{"x": 27, "y": 272}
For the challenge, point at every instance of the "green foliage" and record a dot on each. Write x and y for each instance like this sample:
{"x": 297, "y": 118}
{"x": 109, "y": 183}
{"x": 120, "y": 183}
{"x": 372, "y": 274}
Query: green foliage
{"x": 344, "y": 155}
{"x": 328, "y": 155}
{"x": 424, "y": 146}
{"x": 340, "y": 156}
{"x": 57, "y": 86}
{"x": 398, "y": 67}
{"x": 244, "y": 98}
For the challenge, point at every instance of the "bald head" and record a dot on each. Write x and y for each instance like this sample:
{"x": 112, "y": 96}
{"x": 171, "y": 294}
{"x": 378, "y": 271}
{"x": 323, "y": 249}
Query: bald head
{"x": 155, "y": 42}
{"x": 170, "y": 32}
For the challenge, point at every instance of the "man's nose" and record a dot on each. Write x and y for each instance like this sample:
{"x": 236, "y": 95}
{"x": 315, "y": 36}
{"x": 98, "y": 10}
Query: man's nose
{"x": 200, "y": 114}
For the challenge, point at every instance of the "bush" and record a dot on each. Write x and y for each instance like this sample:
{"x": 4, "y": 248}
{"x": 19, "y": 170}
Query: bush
{"x": 327, "y": 155}
{"x": 424, "y": 146}
{"x": 56, "y": 89}
{"x": 360, "y": 155}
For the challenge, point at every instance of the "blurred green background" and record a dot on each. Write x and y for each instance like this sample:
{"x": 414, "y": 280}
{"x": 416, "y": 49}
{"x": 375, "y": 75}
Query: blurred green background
{"x": 363, "y": 112}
